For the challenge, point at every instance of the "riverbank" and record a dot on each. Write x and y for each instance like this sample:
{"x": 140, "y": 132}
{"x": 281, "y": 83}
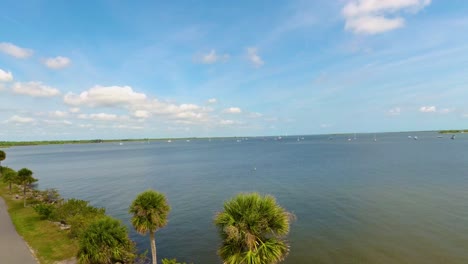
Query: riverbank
{"x": 49, "y": 244}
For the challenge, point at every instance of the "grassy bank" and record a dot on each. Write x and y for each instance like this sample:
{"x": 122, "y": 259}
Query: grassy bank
{"x": 49, "y": 243}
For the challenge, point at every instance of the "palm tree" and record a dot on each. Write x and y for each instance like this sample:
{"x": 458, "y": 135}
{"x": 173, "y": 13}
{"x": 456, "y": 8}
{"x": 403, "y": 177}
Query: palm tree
{"x": 105, "y": 241}
{"x": 25, "y": 178}
{"x": 2, "y": 158}
{"x": 9, "y": 176}
{"x": 150, "y": 210}
{"x": 252, "y": 228}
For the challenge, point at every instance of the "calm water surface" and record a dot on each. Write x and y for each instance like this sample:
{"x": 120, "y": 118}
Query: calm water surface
{"x": 396, "y": 200}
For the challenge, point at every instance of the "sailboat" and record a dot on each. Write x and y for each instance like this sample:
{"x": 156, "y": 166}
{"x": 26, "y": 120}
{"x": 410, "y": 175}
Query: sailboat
{"x": 375, "y": 137}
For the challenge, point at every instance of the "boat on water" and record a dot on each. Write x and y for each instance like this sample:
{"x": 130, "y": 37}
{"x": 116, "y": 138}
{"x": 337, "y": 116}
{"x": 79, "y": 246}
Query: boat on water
{"x": 452, "y": 137}
{"x": 169, "y": 141}
{"x": 415, "y": 137}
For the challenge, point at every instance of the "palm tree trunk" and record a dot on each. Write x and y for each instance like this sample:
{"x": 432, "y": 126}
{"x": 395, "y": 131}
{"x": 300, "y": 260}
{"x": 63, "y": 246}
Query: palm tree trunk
{"x": 24, "y": 194}
{"x": 153, "y": 247}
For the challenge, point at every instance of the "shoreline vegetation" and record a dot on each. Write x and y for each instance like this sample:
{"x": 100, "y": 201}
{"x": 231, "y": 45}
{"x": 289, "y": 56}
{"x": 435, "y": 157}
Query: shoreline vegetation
{"x": 253, "y": 228}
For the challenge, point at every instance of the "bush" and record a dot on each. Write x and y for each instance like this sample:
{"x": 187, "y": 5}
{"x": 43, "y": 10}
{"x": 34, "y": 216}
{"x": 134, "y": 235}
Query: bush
{"x": 171, "y": 261}
{"x": 106, "y": 241}
{"x": 74, "y": 207}
{"x": 45, "y": 210}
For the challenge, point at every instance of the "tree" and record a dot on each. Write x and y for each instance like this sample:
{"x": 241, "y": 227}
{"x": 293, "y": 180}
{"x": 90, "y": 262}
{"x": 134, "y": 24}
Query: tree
{"x": 105, "y": 241}
{"x": 9, "y": 176}
{"x": 2, "y": 158}
{"x": 150, "y": 210}
{"x": 252, "y": 228}
{"x": 25, "y": 178}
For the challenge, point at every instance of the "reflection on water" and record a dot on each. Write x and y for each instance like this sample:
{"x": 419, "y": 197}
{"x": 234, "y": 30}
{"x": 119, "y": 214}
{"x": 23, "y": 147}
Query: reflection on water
{"x": 393, "y": 200}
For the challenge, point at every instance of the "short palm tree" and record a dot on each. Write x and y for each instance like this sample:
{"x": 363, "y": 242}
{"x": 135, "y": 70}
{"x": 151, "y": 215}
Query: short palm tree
{"x": 150, "y": 210}
{"x": 9, "y": 176}
{"x": 25, "y": 178}
{"x": 252, "y": 228}
{"x": 105, "y": 241}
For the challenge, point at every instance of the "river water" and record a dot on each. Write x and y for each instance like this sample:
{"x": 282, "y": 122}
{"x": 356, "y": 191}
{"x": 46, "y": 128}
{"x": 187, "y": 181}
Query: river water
{"x": 393, "y": 200}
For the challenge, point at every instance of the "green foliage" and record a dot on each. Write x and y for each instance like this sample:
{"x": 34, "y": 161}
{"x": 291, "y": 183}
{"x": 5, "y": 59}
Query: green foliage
{"x": 171, "y": 261}
{"x": 2, "y": 156}
{"x": 252, "y": 228}
{"x": 9, "y": 176}
{"x": 45, "y": 211}
{"x": 105, "y": 241}
{"x": 150, "y": 210}
{"x": 25, "y": 177}
{"x": 77, "y": 213}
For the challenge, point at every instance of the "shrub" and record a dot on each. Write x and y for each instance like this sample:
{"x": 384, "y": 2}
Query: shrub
{"x": 45, "y": 210}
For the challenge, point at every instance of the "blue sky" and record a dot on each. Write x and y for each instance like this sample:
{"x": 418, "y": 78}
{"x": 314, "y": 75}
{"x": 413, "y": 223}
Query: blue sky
{"x": 117, "y": 69}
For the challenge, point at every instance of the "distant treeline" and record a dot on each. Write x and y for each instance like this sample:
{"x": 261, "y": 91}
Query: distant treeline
{"x": 50, "y": 142}
{"x": 453, "y": 131}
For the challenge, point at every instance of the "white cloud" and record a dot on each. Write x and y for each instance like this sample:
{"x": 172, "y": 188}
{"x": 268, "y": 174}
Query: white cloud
{"x": 373, "y": 24}
{"x": 14, "y": 50}
{"x": 57, "y": 62}
{"x": 141, "y": 114}
{"x": 255, "y": 115}
{"x": 226, "y": 122}
{"x": 35, "y": 89}
{"x": 446, "y": 110}
{"x": 5, "y": 76}
{"x": 253, "y": 57}
{"x": 394, "y": 111}
{"x": 428, "y": 109}
{"x": 233, "y": 110}
{"x": 20, "y": 120}
{"x": 58, "y": 114}
{"x": 371, "y": 16}
{"x": 99, "y": 117}
{"x": 211, "y": 57}
{"x": 325, "y": 125}
{"x": 74, "y": 110}
{"x": 110, "y": 96}
{"x": 212, "y": 101}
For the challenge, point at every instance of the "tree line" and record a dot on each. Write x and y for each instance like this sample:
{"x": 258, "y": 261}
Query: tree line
{"x": 252, "y": 227}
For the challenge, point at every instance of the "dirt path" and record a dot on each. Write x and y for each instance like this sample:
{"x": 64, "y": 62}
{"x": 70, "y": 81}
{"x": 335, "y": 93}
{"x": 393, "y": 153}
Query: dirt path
{"x": 13, "y": 249}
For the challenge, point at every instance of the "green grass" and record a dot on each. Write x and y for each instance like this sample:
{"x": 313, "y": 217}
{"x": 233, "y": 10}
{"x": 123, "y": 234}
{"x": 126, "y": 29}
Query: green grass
{"x": 49, "y": 242}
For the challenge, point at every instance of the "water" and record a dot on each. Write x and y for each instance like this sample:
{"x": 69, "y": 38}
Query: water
{"x": 396, "y": 200}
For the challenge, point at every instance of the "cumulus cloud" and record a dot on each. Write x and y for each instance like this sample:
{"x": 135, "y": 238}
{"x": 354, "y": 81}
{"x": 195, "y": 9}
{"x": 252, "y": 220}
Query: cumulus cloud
{"x": 253, "y": 57}
{"x": 15, "y": 51}
{"x": 99, "y": 117}
{"x": 58, "y": 62}
{"x": 394, "y": 111}
{"x": 255, "y": 115}
{"x": 74, "y": 110}
{"x": 35, "y": 89}
{"x": 212, "y": 101}
{"x": 59, "y": 114}
{"x": 226, "y": 122}
{"x": 20, "y": 120}
{"x": 211, "y": 57}
{"x": 372, "y": 16}
{"x": 110, "y": 96}
{"x": 233, "y": 110}
{"x": 5, "y": 76}
{"x": 141, "y": 114}
{"x": 428, "y": 109}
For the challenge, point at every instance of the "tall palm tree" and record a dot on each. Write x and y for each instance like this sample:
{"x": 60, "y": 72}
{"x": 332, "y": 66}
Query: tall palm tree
{"x": 252, "y": 228}
{"x": 2, "y": 158}
{"x": 25, "y": 178}
{"x": 150, "y": 210}
{"x": 105, "y": 241}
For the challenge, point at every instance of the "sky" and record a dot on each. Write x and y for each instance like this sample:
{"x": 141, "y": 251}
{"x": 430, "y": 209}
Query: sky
{"x": 156, "y": 69}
